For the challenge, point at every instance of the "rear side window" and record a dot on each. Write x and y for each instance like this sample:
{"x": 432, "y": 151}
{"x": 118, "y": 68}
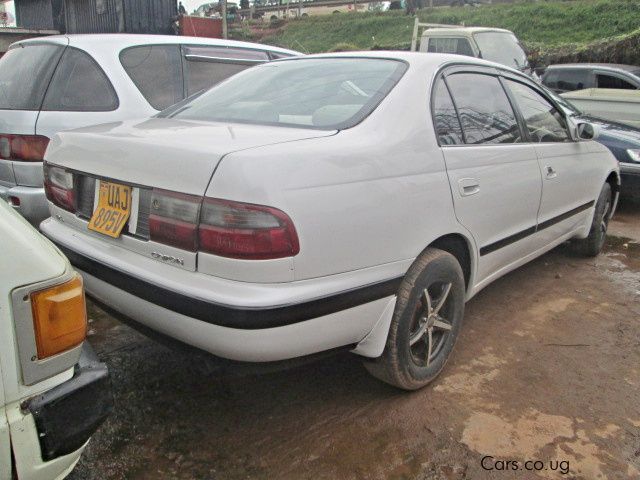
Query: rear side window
{"x": 460, "y": 46}
{"x": 25, "y": 72}
{"x": 609, "y": 81}
{"x": 79, "y": 85}
{"x": 446, "y": 120}
{"x": 157, "y": 72}
{"x": 544, "y": 121}
{"x": 485, "y": 113}
{"x": 207, "y": 66}
{"x": 567, "y": 80}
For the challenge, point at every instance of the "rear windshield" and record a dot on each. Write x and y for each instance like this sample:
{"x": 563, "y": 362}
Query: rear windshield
{"x": 503, "y": 48}
{"x": 330, "y": 93}
{"x": 25, "y": 72}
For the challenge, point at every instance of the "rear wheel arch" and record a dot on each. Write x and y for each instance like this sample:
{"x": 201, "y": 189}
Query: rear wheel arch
{"x": 460, "y": 247}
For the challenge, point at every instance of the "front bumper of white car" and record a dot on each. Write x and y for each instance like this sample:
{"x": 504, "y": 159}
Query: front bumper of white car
{"x": 242, "y": 321}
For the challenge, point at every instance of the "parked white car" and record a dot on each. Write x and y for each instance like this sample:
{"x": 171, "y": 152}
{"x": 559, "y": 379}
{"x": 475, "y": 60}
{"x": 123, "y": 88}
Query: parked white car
{"x": 61, "y": 82}
{"x": 328, "y": 201}
{"x": 53, "y": 391}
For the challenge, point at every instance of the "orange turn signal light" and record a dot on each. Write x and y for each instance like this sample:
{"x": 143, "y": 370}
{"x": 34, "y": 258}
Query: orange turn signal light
{"x": 59, "y": 317}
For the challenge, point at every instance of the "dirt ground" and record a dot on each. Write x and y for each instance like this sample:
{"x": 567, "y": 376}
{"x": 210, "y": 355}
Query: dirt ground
{"x": 547, "y": 369}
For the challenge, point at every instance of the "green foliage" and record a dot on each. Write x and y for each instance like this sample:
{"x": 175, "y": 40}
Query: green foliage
{"x": 344, "y": 47}
{"x": 545, "y": 24}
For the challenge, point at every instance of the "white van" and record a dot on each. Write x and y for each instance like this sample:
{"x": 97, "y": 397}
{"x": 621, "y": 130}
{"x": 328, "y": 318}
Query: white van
{"x": 54, "y": 393}
{"x": 493, "y": 44}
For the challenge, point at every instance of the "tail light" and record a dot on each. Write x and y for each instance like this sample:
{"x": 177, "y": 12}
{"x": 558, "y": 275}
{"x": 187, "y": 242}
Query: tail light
{"x": 59, "y": 317}
{"x": 58, "y": 186}
{"x": 174, "y": 219}
{"x": 28, "y": 148}
{"x": 246, "y": 231}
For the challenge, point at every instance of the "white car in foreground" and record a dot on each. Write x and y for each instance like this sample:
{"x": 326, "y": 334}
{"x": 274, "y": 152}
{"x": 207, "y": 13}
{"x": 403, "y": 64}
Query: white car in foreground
{"x": 50, "y": 84}
{"x": 328, "y": 201}
{"x": 53, "y": 391}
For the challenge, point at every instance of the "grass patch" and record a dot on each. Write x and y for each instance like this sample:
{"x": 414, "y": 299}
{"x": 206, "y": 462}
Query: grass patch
{"x": 542, "y": 23}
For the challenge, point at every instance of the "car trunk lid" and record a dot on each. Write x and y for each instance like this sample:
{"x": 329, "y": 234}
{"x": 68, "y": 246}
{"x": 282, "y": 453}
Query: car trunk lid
{"x": 163, "y": 153}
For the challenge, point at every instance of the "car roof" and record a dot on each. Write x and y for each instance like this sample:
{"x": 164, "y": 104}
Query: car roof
{"x": 606, "y": 66}
{"x": 120, "y": 41}
{"x": 470, "y": 30}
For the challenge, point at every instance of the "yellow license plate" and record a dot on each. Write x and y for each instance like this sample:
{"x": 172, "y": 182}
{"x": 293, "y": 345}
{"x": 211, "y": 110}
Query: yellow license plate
{"x": 114, "y": 208}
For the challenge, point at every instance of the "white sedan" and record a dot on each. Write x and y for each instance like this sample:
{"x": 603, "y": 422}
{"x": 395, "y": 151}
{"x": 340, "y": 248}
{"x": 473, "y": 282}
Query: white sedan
{"x": 344, "y": 200}
{"x": 56, "y": 83}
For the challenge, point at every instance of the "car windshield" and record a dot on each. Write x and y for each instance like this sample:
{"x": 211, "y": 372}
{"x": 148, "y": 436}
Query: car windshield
{"x": 503, "y": 48}
{"x": 328, "y": 93}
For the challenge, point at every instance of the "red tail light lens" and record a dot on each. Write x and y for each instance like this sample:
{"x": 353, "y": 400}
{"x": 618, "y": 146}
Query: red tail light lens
{"x": 58, "y": 186}
{"x": 174, "y": 219}
{"x": 27, "y": 148}
{"x": 246, "y": 231}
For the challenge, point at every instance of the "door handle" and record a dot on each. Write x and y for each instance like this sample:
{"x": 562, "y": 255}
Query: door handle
{"x": 551, "y": 173}
{"x": 468, "y": 186}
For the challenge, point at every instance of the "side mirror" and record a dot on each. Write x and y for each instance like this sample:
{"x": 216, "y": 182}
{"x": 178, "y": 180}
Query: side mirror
{"x": 583, "y": 130}
{"x": 588, "y": 131}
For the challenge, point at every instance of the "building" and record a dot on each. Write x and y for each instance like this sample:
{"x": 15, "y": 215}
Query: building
{"x": 98, "y": 16}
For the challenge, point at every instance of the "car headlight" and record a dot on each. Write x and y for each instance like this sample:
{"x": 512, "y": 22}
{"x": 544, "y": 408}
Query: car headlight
{"x": 634, "y": 154}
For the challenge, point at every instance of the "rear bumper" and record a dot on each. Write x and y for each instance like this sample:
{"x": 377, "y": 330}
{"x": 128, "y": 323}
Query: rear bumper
{"x": 31, "y": 202}
{"x": 234, "y": 320}
{"x": 67, "y": 415}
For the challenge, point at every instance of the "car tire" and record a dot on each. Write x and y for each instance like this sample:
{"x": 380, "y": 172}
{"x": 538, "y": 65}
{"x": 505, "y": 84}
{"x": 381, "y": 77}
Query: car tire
{"x": 434, "y": 284}
{"x": 592, "y": 245}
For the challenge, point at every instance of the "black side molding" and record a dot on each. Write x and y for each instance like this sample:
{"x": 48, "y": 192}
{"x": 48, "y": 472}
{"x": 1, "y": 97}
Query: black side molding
{"x": 492, "y": 247}
{"x": 228, "y": 316}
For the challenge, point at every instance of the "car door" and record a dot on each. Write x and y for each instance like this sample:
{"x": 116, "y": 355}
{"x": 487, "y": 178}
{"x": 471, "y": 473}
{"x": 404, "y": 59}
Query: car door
{"x": 569, "y": 169}
{"x": 494, "y": 176}
{"x": 79, "y": 94}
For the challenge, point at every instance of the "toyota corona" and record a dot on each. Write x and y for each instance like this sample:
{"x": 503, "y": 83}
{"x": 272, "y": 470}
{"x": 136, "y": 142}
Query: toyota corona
{"x": 352, "y": 200}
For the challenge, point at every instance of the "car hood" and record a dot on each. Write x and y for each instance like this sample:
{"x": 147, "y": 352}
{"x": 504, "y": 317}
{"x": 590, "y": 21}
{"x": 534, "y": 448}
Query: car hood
{"x": 165, "y": 153}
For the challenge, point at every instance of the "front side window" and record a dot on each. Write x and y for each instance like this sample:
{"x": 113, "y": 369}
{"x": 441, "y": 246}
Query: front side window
{"x": 544, "y": 122}
{"x": 207, "y": 66}
{"x": 567, "y": 80}
{"x": 25, "y": 72}
{"x": 610, "y": 81}
{"x": 484, "y": 109}
{"x": 79, "y": 85}
{"x": 503, "y": 48}
{"x": 446, "y": 121}
{"x": 329, "y": 93}
{"x": 156, "y": 70}
{"x": 459, "y": 46}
